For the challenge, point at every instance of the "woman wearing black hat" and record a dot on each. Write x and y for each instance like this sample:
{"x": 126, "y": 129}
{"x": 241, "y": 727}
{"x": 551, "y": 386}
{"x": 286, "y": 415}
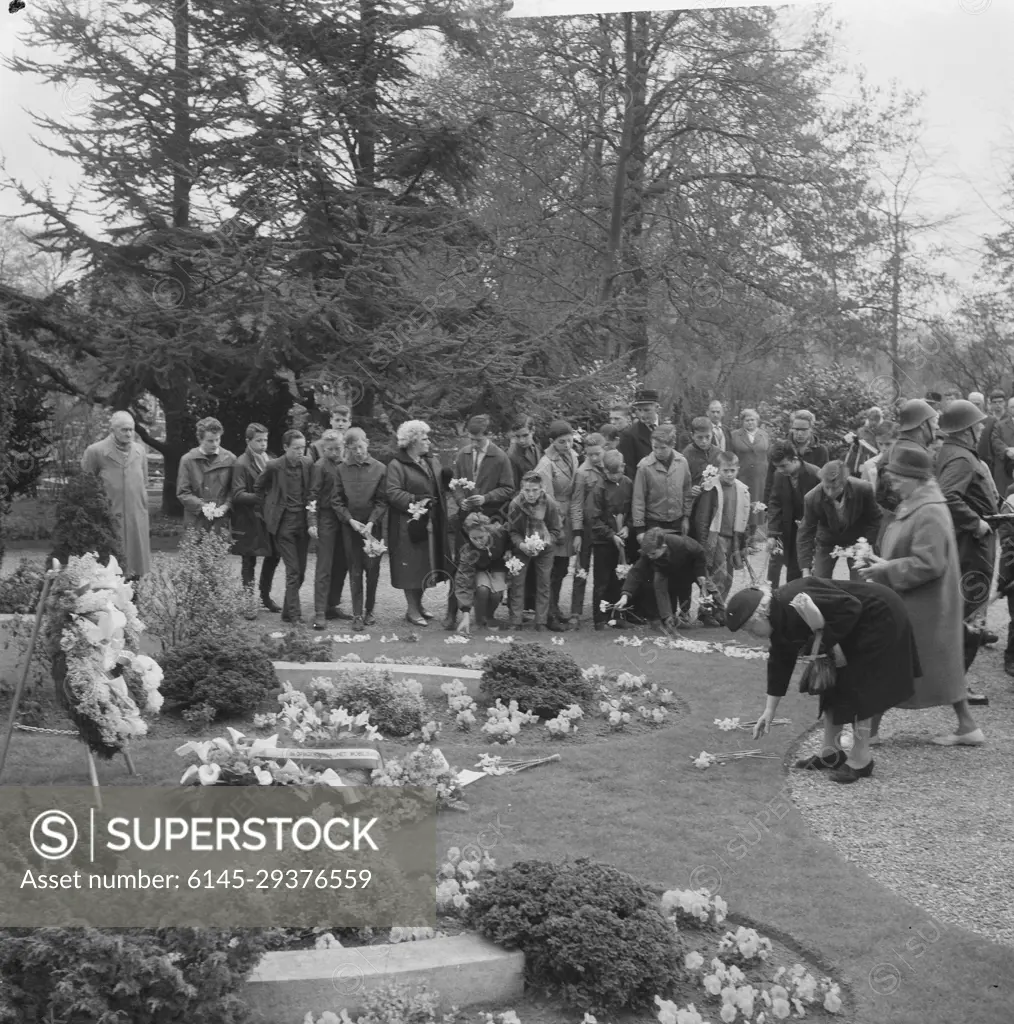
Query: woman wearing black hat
{"x": 866, "y": 629}
{"x": 920, "y": 563}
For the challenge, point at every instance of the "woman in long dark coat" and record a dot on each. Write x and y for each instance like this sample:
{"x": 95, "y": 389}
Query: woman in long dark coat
{"x": 866, "y": 628}
{"x": 750, "y": 442}
{"x": 417, "y": 547}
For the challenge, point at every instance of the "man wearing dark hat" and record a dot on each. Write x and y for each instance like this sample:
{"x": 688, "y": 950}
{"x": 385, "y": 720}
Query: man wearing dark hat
{"x": 793, "y": 478}
{"x": 971, "y": 494}
{"x": 635, "y": 440}
{"x": 997, "y": 408}
{"x": 917, "y": 426}
{"x": 935, "y": 399}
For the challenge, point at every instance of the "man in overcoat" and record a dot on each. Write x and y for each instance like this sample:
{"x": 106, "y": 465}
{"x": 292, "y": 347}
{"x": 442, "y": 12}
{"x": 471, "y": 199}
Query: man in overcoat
{"x": 635, "y": 440}
{"x": 250, "y": 538}
{"x": 121, "y": 464}
{"x": 793, "y": 479}
{"x": 283, "y": 490}
{"x": 204, "y": 478}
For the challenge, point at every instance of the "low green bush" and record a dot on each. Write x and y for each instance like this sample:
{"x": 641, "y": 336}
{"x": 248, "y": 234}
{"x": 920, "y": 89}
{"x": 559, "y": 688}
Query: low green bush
{"x": 224, "y": 671}
{"x": 395, "y": 704}
{"x": 20, "y": 590}
{"x": 589, "y": 932}
{"x": 85, "y": 976}
{"x": 539, "y": 679}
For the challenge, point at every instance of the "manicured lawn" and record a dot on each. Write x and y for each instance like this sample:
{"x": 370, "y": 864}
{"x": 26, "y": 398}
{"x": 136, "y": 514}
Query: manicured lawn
{"x": 636, "y": 801}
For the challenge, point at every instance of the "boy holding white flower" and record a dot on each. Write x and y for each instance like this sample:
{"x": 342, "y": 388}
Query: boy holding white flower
{"x": 481, "y": 579}
{"x": 360, "y": 503}
{"x": 536, "y": 527}
{"x": 611, "y": 534}
{"x": 722, "y": 519}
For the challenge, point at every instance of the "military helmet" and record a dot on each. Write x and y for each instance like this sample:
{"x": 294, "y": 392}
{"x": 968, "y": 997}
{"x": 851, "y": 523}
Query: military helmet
{"x": 958, "y": 416}
{"x": 914, "y": 413}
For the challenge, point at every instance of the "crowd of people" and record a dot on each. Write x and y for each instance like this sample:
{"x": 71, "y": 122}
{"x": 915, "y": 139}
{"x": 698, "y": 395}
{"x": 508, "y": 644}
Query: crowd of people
{"x": 646, "y": 515}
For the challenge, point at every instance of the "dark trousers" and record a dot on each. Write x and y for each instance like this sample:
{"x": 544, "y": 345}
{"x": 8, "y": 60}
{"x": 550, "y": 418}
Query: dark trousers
{"x": 329, "y": 577}
{"x": 605, "y": 585}
{"x": 541, "y": 567}
{"x": 673, "y": 591}
{"x": 357, "y": 565}
{"x": 268, "y": 566}
{"x": 786, "y": 558}
{"x": 292, "y": 543}
{"x": 561, "y": 563}
{"x": 584, "y": 561}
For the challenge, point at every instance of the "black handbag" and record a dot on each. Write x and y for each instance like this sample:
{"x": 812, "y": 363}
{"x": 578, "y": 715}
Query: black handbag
{"x": 819, "y": 674}
{"x": 417, "y": 531}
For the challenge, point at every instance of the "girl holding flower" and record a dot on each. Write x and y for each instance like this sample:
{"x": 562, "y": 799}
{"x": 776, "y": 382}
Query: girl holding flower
{"x": 481, "y": 581}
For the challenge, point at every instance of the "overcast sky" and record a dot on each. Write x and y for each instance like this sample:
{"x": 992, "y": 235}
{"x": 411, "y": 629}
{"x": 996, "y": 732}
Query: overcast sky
{"x": 958, "y": 53}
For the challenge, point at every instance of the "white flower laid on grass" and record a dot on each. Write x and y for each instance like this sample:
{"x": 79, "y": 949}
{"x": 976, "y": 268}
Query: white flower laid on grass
{"x": 558, "y": 641}
{"x": 694, "y": 646}
{"x": 709, "y": 478}
{"x": 350, "y": 638}
{"x": 389, "y": 639}
{"x": 212, "y": 511}
{"x": 493, "y": 764}
{"x": 457, "y": 638}
{"x": 474, "y": 661}
{"x": 706, "y": 760}
{"x": 493, "y": 639}
{"x": 564, "y": 723}
{"x": 728, "y": 724}
{"x": 417, "y": 509}
{"x": 514, "y": 565}
{"x": 859, "y": 552}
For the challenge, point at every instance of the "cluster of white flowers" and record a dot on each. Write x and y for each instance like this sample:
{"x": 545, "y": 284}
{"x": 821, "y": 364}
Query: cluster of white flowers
{"x": 460, "y": 703}
{"x": 457, "y": 638}
{"x": 747, "y": 942}
{"x": 622, "y": 571}
{"x": 727, "y": 724}
{"x": 758, "y": 506}
{"x": 310, "y": 723}
{"x": 581, "y": 574}
{"x": 474, "y": 661}
{"x": 740, "y": 999}
{"x": 709, "y": 478}
{"x": 557, "y": 641}
{"x": 533, "y": 544}
{"x": 564, "y": 722}
{"x": 411, "y": 934}
{"x": 593, "y": 671}
{"x": 461, "y": 483}
{"x": 859, "y": 552}
{"x": 653, "y": 716}
{"x": 372, "y": 546}
{"x": 704, "y": 760}
{"x": 514, "y": 564}
{"x": 458, "y": 877}
{"x": 504, "y": 723}
{"x": 417, "y": 509}
{"x": 101, "y": 623}
{"x": 695, "y": 907}
{"x": 430, "y": 731}
{"x": 212, "y": 511}
{"x": 493, "y": 639}
{"x": 615, "y": 715}
{"x": 693, "y": 646}
{"x": 350, "y": 638}
{"x": 628, "y": 681}
{"x": 492, "y": 764}
{"x": 326, "y": 941}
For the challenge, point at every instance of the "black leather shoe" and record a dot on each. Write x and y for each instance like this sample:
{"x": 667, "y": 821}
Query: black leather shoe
{"x": 270, "y": 605}
{"x": 335, "y": 612}
{"x": 847, "y": 773}
{"x": 820, "y": 763}
{"x": 369, "y": 620}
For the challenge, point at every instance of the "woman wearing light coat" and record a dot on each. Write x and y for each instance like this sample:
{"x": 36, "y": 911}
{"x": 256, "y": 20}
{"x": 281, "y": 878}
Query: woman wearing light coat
{"x": 920, "y": 563}
{"x": 558, "y": 469}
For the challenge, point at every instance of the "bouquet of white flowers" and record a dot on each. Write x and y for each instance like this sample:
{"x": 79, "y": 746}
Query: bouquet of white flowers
{"x": 533, "y": 544}
{"x": 709, "y": 478}
{"x": 461, "y": 483}
{"x": 212, "y": 511}
{"x": 372, "y": 547}
{"x": 758, "y": 506}
{"x": 514, "y": 564}
{"x": 417, "y": 509}
{"x": 859, "y": 552}
{"x": 622, "y": 571}
{"x": 312, "y": 508}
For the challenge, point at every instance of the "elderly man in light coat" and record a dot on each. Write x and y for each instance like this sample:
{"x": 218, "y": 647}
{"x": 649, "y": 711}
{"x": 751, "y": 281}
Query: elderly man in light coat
{"x": 121, "y": 465}
{"x": 920, "y": 563}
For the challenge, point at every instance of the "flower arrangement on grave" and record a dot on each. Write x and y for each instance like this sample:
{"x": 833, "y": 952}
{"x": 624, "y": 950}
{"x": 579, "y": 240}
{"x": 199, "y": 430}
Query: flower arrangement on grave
{"x": 709, "y": 478}
{"x": 243, "y": 763}
{"x": 695, "y": 908}
{"x": 458, "y": 876}
{"x": 504, "y": 723}
{"x": 746, "y": 943}
{"x": 859, "y": 552}
{"x": 92, "y": 632}
{"x": 315, "y": 724}
{"x": 212, "y": 511}
{"x": 565, "y": 722}
{"x": 694, "y": 646}
{"x": 424, "y": 768}
{"x": 615, "y": 715}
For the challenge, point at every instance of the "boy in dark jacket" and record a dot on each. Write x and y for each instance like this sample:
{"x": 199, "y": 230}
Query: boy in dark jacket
{"x": 611, "y": 535}
{"x": 529, "y": 514}
{"x": 481, "y": 579}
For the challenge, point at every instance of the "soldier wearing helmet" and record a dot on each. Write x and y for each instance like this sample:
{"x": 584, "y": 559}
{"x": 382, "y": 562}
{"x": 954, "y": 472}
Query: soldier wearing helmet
{"x": 917, "y": 424}
{"x": 968, "y": 486}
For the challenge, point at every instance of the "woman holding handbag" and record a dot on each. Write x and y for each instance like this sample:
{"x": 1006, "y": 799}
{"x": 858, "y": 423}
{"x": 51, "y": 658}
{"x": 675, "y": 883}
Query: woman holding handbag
{"x": 855, "y": 636}
{"x": 417, "y": 519}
